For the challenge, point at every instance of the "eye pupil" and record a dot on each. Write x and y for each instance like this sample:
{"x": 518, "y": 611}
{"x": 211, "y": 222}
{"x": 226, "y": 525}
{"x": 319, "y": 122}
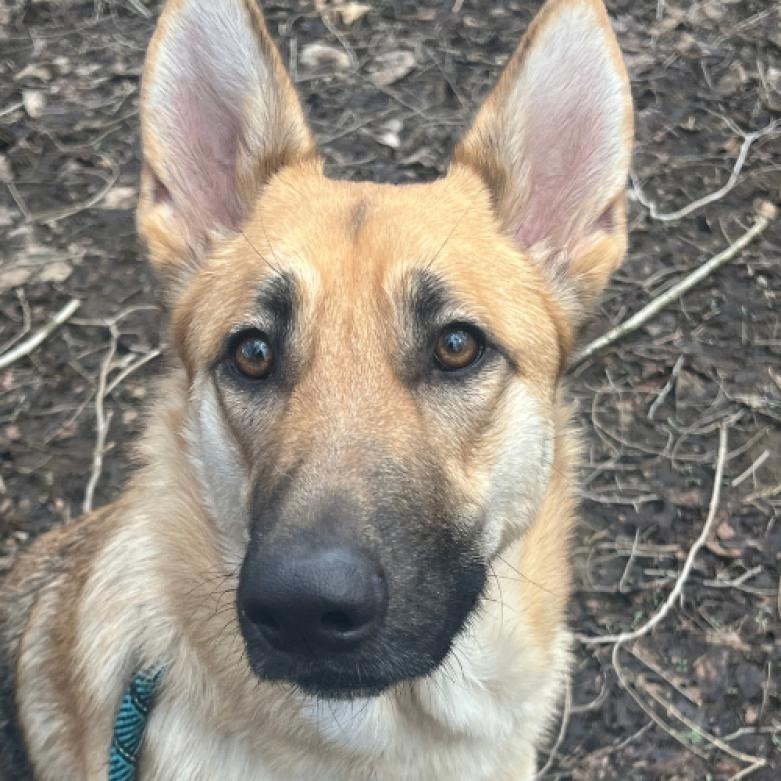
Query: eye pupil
{"x": 457, "y": 347}
{"x": 253, "y": 356}
{"x": 456, "y": 341}
{"x": 255, "y": 350}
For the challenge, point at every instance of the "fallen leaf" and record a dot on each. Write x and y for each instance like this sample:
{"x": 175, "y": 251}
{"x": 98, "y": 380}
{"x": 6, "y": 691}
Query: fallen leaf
{"x": 34, "y": 102}
{"x": 14, "y": 278}
{"x": 389, "y": 135}
{"x": 57, "y": 271}
{"x": 120, "y": 197}
{"x": 726, "y": 531}
{"x": 350, "y": 13}
{"x": 34, "y": 71}
{"x": 392, "y": 67}
{"x": 321, "y": 56}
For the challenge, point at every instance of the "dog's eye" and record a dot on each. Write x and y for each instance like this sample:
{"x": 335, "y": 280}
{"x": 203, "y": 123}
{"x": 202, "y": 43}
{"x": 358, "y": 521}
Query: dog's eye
{"x": 458, "y": 346}
{"x": 252, "y": 355}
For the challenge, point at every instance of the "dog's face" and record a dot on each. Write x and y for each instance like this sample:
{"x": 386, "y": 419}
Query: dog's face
{"x": 373, "y": 369}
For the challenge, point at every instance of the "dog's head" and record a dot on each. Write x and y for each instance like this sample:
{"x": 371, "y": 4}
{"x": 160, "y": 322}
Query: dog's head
{"x": 373, "y": 369}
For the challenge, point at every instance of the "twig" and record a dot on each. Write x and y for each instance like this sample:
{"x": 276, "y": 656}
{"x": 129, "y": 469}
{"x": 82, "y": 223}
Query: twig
{"x": 694, "y": 727}
{"x": 562, "y": 730}
{"x": 748, "y": 140}
{"x": 325, "y": 17}
{"x": 687, "y": 283}
{"x": 647, "y": 709}
{"x": 625, "y": 576}
{"x": 102, "y": 421}
{"x": 21, "y": 204}
{"x": 26, "y": 322}
{"x": 665, "y": 391}
{"x": 61, "y": 214}
{"x": 130, "y": 368}
{"x": 751, "y": 469}
{"x": 680, "y": 582}
{"x": 28, "y": 345}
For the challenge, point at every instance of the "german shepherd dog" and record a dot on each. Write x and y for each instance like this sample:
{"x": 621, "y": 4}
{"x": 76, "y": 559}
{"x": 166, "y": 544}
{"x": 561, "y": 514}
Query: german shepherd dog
{"x": 347, "y": 545}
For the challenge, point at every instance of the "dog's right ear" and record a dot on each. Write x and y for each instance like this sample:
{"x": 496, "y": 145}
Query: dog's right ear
{"x": 219, "y": 116}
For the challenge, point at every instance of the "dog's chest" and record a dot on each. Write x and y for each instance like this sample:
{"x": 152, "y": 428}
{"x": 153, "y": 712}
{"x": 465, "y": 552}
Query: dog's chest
{"x": 474, "y": 728}
{"x": 359, "y": 752}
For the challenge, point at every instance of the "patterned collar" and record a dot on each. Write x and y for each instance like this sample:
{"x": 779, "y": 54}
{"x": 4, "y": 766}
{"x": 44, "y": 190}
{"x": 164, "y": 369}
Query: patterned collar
{"x": 130, "y": 723}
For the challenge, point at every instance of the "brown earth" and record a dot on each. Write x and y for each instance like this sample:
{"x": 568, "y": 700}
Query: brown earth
{"x": 697, "y": 697}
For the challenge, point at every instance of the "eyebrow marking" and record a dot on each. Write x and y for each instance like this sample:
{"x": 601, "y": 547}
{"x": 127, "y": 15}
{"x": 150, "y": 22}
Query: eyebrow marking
{"x": 431, "y": 304}
{"x": 277, "y": 298}
{"x": 428, "y": 298}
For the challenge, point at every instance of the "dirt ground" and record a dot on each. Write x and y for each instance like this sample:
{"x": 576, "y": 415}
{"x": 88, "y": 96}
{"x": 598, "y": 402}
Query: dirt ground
{"x": 698, "y": 696}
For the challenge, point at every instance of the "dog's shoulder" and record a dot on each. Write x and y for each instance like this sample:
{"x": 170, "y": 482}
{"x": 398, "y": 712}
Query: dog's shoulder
{"x": 48, "y": 560}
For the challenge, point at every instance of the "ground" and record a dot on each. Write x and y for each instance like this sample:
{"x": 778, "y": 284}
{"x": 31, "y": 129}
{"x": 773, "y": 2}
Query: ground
{"x": 696, "y": 696}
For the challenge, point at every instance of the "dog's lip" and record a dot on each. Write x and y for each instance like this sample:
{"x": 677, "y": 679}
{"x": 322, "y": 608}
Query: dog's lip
{"x": 362, "y": 691}
{"x": 331, "y": 685}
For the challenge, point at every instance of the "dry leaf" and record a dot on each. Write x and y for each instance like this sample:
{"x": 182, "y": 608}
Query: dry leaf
{"x": 14, "y": 278}
{"x": 392, "y": 67}
{"x": 34, "y": 102}
{"x": 120, "y": 197}
{"x": 350, "y": 13}
{"x": 320, "y": 56}
{"x": 58, "y": 271}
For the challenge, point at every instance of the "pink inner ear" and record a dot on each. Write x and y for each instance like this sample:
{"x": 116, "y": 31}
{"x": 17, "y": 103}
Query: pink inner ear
{"x": 566, "y": 159}
{"x": 208, "y": 70}
{"x": 202, "y": 172}
{"x": 564, "y": 126}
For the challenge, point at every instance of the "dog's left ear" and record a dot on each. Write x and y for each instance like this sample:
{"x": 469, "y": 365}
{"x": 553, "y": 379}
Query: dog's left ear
{"x": 219, "y": 116}
{"x": 552, "y": 143}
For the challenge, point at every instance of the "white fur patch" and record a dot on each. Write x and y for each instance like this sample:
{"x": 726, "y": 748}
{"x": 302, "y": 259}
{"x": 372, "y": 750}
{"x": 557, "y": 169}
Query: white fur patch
{"x": 218, "y": 466}
{"x": 521, "y": 470}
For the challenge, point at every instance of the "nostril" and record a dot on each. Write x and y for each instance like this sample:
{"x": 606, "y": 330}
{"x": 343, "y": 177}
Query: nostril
{"x": 336, "y": 621}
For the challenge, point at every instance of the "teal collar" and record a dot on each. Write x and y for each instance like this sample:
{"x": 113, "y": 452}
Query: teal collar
{"x": 130, "y": 724}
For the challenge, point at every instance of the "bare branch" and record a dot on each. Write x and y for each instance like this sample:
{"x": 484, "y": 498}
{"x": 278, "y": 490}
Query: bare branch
{"x": 748, "y": 140}
{"x": 680, "y": 581}
{"x": 28, "y": 345}
{"x": 687, "y": 283}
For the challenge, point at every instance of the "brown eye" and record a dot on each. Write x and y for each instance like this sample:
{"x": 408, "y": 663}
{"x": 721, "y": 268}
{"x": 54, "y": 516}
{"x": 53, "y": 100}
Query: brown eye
{"x": 252, "y": 355}
{"x": 457, "y": 347}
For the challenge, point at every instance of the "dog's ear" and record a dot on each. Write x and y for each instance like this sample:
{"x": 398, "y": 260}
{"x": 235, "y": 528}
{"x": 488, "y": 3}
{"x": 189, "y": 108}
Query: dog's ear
{"x": 219, "y": 116}
{"x": 552, "y": 143}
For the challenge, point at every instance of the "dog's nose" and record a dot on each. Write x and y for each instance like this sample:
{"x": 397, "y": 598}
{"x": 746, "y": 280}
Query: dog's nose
{"x": 314, "y": 600}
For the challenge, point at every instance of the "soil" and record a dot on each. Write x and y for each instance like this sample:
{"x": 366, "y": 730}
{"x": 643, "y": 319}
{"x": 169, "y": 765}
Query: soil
{"x": 698, "y": 696}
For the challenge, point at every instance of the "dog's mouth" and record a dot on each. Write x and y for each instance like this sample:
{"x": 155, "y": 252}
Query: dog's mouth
{"x": 329, "y": 685}
{"x": 381, "y": 664}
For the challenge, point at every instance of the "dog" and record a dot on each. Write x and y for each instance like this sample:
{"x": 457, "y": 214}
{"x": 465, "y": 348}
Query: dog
{"x": 345, "y": 551}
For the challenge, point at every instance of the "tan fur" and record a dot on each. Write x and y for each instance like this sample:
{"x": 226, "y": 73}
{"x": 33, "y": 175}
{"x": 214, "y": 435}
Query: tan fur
{"x": 151, "y": 579}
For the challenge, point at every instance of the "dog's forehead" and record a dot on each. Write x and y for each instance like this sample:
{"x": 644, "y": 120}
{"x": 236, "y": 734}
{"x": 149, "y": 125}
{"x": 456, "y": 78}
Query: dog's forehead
{"x": 358, "y": 250}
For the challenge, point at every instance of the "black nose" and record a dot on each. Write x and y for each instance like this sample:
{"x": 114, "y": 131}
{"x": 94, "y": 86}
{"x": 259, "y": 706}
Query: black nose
{"x": 315, "y": 599}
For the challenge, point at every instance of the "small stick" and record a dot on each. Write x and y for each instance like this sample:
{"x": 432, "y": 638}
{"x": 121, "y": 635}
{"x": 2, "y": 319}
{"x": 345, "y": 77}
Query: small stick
{"x": 687, "y": 283}
{"x": 102, "y": 422}
{"x": 28, "y": 345}
{"x": 751, "y": 469}
{"x": 562, "y": 730}
{"x": 748, "y": 140}
{"x": 665, "y": 391}
{"x": 680, "y": 581}
{"x": 625, "y": 577}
